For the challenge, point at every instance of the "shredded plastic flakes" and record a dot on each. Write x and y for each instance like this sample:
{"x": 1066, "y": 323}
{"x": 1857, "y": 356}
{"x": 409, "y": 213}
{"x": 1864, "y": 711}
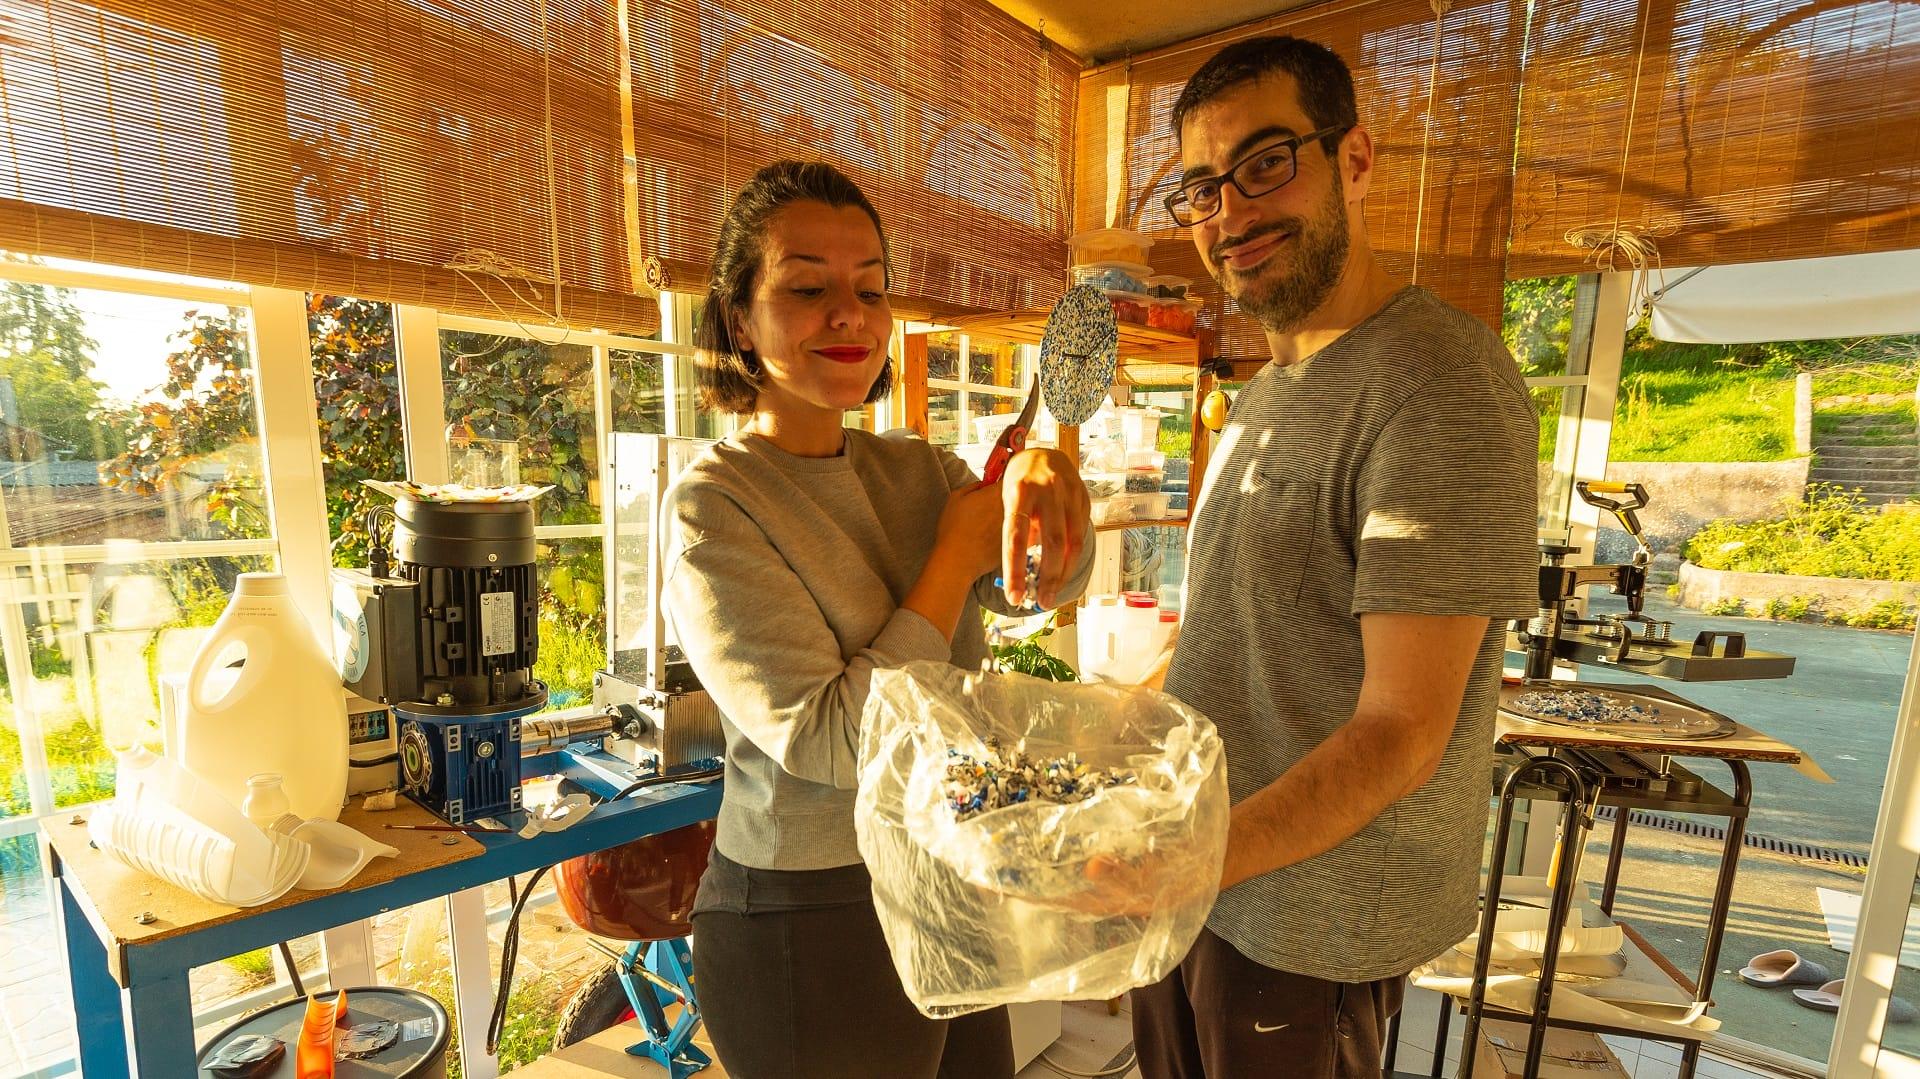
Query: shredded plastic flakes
{"x": 1580, "y": 706}
{"x": 1010, "y": 777}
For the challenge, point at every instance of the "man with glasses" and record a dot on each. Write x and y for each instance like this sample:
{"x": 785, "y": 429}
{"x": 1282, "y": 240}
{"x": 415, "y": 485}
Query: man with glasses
{"x": 1366, "y": 528}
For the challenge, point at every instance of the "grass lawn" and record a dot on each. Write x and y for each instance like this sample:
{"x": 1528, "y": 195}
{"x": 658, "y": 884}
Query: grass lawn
{"x": 1686, "y": 404}
{"x": 1865, "y": 378}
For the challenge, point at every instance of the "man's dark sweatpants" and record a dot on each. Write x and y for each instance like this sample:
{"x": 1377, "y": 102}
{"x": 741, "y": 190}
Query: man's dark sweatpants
{"x": 1220, "y": 1015}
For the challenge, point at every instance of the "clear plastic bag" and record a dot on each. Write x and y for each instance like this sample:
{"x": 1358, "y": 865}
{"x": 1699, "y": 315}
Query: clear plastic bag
{"x": 1017, "y": 903}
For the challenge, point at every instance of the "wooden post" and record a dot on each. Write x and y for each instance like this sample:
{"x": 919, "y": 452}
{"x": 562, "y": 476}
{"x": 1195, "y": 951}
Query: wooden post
{"x": 1203, "y": 384}
{"x": 913, "y": 382}
{"x": 1070, "y": 445}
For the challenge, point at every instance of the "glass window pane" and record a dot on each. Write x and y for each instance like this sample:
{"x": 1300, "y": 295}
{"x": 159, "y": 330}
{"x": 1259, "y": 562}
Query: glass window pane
{"x": 97, "y": 636}
{"x": 412, "y": 949}
{"x": 993, "y": 363}
{"x": 573, "y": 619}
{"x": 1899, "y": 1042}
{"x": 639, "y": 391}
{"x": 1558, "y": 410}
{"x": 356, "y": 384}
{"x": 943, "y": 417}
{"x": 943, "y": 355}
{"x": 979, "y": 405}
{"x": 521, "y": 411}
{"x": 1538, "y": 323}
{"x": 239, "y": 984}
{"x": 126, "y": 418}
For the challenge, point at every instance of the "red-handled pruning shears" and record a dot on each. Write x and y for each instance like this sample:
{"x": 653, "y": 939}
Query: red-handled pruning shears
{"x": 1013, "y": 439}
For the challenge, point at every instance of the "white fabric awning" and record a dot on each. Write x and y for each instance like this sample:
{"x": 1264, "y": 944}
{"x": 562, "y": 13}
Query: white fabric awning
{"x": 1798, "y": 300}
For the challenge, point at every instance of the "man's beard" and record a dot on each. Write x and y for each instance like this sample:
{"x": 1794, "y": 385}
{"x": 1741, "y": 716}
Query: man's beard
{"x": 1284, "y": 290}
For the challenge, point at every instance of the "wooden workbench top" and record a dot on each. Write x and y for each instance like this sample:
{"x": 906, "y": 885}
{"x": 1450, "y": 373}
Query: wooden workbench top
{"x": 1744, "y": 743}
{"x": 120, "y": 894}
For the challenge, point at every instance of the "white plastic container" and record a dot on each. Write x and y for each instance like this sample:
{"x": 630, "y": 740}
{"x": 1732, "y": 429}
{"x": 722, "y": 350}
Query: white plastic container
{"x": 266, "y": 800}
{"x": 1151, "y": 506}
{"x": 1120, "y": 636}
{"x": 165, "y": 822}
{"x": 262, "y": 696}
{"x": 1140, "y": 427}
{"x": 1110, "y": 245}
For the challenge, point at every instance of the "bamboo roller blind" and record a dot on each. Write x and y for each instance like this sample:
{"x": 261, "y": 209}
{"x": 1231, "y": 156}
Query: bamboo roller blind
{"x": 360, "y": 147}
{"x": 1726, "y": 130}
{"x": 353, "y": 147}
{"x": 1455, "y": 239}
{"x": 953, "y": 118}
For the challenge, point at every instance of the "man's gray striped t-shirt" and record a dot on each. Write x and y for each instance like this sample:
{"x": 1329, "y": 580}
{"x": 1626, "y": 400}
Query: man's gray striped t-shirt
{"x": 1391, "y": 471}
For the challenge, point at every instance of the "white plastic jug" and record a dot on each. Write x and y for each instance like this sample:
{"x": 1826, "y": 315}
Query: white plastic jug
{"x": 281, "y": 709}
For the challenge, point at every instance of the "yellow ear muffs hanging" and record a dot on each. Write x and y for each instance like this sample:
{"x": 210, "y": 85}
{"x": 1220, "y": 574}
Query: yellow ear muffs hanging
{"x": 1213, "y": 410}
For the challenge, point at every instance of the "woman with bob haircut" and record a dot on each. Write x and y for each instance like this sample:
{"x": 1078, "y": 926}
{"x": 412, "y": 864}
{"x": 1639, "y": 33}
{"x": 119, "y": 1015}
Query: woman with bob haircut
{"x": 802, "y": 556}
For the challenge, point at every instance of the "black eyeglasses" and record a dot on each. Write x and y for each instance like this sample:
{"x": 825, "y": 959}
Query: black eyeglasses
{"x": 1261, "y": 172}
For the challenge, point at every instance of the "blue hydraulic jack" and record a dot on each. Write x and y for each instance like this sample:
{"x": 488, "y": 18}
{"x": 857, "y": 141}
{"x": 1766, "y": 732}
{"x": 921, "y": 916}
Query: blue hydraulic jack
{"x": 655, "y": 974}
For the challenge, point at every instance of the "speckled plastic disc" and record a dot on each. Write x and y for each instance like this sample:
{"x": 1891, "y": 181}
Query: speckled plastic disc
{"x": 1078, "y": 353}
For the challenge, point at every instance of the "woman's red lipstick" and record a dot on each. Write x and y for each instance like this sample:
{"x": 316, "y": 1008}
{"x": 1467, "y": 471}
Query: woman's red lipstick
{"x": 846, "y": 353}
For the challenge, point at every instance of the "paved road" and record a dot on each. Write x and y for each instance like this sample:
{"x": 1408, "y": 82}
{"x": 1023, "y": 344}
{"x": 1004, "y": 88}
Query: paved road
{"x": 1839, "y": 706}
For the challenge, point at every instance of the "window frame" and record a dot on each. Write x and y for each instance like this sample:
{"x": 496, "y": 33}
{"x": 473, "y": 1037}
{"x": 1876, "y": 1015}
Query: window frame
{"x": 1027, "y": 364}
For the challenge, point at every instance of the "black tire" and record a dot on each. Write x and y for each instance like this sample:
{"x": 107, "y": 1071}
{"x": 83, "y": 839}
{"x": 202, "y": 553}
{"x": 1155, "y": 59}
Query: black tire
{"x": 599, "y": 1003}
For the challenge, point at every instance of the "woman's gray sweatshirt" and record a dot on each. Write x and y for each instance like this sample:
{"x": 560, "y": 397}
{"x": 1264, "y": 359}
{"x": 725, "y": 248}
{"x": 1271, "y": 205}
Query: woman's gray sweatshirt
{"x": 784, "y": 577}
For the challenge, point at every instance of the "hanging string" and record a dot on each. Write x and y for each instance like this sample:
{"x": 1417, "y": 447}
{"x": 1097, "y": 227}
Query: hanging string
{"x": 553, "y": 186}
{"x": 479, "y": 260}
{"x": 1612, "y": 242}
{"x": 1440, "y": 8}
{"x": 1637, "y": 245}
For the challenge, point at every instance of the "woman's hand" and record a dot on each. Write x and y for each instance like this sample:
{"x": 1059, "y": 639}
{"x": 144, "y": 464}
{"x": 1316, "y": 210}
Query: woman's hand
{"x": 1045, "y": 504}
{"x": 968, "y": 536}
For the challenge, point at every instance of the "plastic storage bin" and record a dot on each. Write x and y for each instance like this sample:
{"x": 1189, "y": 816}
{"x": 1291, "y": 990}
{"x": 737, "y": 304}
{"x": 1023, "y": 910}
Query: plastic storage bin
{"x": 1150, "y": 506}
{"x": 1109, "y": 245}
{"x": 1145, "y": 480}
{"x": 1168, "y": 286}
{"x": 1104, "y": 484}
{"x": 1173, "y": 316}
{"x": 1140, "y": 428}
{"x": 1112, "y": 510}
{"x": 987, "y": 428}
{"x": 1130, "y": 307}
{"x": 1115, "y": 276}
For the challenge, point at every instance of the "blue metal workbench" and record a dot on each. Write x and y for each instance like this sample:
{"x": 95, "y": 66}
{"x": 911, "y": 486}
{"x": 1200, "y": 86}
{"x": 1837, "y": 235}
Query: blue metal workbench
{"x": 132, "y": 939}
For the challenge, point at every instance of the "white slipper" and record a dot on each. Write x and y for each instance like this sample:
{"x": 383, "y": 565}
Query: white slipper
{"x": 1827, "y": 999}
{"x": 1771, "y": 970}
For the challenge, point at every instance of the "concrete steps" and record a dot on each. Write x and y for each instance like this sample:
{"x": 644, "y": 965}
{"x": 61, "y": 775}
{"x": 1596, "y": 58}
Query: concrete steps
{"x": 1876, "y": 455}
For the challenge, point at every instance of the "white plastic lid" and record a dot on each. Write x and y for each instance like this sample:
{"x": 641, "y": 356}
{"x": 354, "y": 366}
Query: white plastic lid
{"x": 1139, "y": 270}
{"x": 1111, "y": 234}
